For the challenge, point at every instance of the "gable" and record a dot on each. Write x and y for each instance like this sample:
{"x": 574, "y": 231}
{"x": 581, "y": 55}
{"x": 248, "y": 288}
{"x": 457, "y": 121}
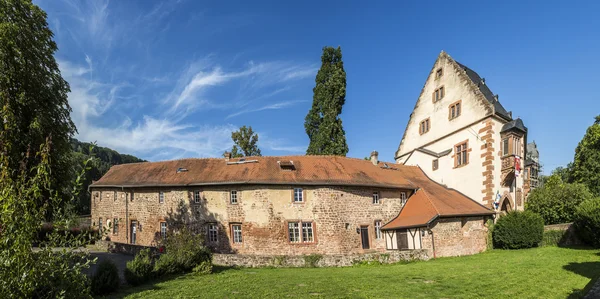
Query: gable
{"x": 459, "y": 87}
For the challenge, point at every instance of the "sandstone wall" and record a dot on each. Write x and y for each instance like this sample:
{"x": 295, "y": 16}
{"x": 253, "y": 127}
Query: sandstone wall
{"x": 263, "y": 212}
{"x": 457, "y": 236}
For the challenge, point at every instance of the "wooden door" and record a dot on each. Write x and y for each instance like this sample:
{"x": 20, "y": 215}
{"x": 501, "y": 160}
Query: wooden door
{"x": 402, "y": 238}
{"x": 364, "y": 236}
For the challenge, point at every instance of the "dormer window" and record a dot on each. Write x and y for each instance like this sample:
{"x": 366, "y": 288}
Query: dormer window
{"x": 439, "y": 94}
{"x": 511, "y": 145}
{"x": 286, "y": 165}
{"x": 439, "y": 73}
{"x": 424, "y": 126}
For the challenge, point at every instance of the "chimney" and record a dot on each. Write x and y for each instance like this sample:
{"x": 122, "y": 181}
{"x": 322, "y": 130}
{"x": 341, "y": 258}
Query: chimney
{"x": 227, "y": 155}
{"x": 374, "y": 157}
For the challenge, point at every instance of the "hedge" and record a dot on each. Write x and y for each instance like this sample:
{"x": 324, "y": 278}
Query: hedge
{"x": 517, "y": 230}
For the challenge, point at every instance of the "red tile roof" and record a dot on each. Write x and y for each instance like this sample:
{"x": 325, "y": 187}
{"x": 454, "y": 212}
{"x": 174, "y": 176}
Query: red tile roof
{"x": 309, "y": 170}
{"x": 431, "y": 201}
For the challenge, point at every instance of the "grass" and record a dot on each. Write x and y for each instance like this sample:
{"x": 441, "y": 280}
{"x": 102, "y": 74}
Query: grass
{"x": 547, "y": 272}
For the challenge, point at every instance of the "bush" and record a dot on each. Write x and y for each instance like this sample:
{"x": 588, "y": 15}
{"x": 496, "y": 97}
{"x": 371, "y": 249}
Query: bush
{"x": 106, "y": 278}
{"x": 517, "y": 230}
{"x": 552, "y": 237}
{"x": 139, "y": 270}
{"x": 203, "y": 268}
{"x": 184, "y": 251}
{"x": 557, "y": 201}
{"x": 587, "y": 222}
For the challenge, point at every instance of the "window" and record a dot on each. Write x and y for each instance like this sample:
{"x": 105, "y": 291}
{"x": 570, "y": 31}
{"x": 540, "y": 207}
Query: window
{"x": 298, "y": 195}
{"x": 517, "y": 145}
{"x": 376, "y": 198}
{"x": 511, "y": 145}
{"x": 435, "y": 164}
{"x": 100, "y": 227}
{"x": 115, "y": 195}
{"x": 461, "y": 157}
{"x": 378, "y": 229}
{"x": 163, "y": 230}
{"x": 505, "y": 146}
{"x": 307, "y": 232}
{"x": 438, "y": 94}
{"x": 233, "y": 197}
{"x": 454, "y": 110}
{"x": 439, "y": 73}
{"x": 115, "y": 226}
{"x": 526, "y": 173}
{"x": 424, "y": 126}
{"x": 161, "y": 197}
{"x": 294, "y": 232}
{"x": 236, "y": 231}
{"x": 212, "y": 232}
{"x": 403, "y": 197}
{"x": 196, "y": 196}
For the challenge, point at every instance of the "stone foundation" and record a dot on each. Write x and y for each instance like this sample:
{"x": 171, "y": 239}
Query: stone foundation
{"x": 334, "y": 260}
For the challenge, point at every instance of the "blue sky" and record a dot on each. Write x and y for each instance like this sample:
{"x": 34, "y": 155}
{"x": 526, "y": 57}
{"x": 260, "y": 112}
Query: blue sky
{"x": 172, "y": 79}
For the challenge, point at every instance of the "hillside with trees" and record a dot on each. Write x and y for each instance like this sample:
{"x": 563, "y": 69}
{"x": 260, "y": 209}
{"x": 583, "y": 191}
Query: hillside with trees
{"x": 102, "y": 158}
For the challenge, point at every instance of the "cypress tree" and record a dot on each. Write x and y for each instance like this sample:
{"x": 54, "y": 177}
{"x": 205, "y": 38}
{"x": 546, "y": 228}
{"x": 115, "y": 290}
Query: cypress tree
{"x": 323, "y": 124}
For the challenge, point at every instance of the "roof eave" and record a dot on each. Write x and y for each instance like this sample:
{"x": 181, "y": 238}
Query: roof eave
{"x": 253, "y": 183}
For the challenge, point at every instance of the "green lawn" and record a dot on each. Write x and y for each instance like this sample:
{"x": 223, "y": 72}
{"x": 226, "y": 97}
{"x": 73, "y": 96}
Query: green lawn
{"x": 548, "y": 272}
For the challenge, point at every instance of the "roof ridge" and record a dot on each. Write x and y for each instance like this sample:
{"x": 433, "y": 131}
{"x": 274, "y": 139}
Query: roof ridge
{"x": 430, "y": 201}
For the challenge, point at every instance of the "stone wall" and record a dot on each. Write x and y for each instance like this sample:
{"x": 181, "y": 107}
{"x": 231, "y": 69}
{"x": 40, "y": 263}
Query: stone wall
{"x": 456, "y": 236}
{"x": 569, "y": 237}
{"x": 337, "y": 260}
{"x": 263, "y": 212}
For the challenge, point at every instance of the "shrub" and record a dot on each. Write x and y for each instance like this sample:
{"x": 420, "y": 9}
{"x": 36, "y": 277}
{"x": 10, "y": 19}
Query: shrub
{"x": 203, "y": 268}
{"x": 139, "y": 270}
{"x": 490, "y": 234}
{"x": 552, "y": 237}
{"x": 184, "y": 250}
{"x": 517, "y": 230}
{"x": 587, "y": 222}
{"x": 106, "y": 278}
{"x": 557, "y": 201}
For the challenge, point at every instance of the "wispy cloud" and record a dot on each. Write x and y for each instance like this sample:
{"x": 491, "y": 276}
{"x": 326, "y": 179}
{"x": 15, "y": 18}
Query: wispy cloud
{"x": 274, "y": 106}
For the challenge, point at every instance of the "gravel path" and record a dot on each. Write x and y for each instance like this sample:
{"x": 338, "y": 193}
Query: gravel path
{"x": 594, "y": 293}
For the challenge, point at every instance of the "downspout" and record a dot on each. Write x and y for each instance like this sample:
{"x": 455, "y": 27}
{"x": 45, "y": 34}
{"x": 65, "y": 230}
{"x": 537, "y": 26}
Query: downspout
{"x": 126, "y": 216}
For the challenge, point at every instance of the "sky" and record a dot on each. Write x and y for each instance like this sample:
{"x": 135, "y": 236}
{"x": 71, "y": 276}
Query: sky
{"x": 172, "y": 79}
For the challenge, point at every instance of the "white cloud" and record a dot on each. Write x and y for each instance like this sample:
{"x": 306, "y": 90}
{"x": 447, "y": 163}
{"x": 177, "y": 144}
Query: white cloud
{"x": 274, "y": 106}
{"x": 278, "y": 144}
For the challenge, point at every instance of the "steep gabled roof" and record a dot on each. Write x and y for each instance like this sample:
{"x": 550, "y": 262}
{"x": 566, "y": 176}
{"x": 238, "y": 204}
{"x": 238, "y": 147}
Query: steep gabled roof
{"x": 515, "y": 124}
{"x": 431, "y": 201}
{"x": 485, "y": 90}
{"x": 308, "y": 170}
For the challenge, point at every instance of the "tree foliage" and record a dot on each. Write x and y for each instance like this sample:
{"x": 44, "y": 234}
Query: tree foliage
{"x": 586, "y": 165}
{"x": 33, "y": 91}
{"x": 587, "y": 222}
{"x": 323, "y": 124}
{"x": 102, "y": 159}
{"x": 245, "y": 140}
{"x": 556, "y": 201}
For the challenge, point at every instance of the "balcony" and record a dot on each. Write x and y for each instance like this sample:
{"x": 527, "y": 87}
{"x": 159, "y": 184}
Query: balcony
{"x": 508, "y": 162}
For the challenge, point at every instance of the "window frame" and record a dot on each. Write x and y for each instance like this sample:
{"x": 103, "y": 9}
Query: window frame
{"x": 435, "y": 164}
{"x": 212, "y": 228}
{"x": 233, "y": 197}
{"x": 454, "y": 110}
{"x": 115, "y": 230}
{"x": 403, "y": 197}
{"x": 461, "y": 157}
{"x": 377, "y": 224}
{"x": 439, "y": 94}
{"x": 197, "y": 196}
{"x": 100, "y": 225}
{"x": 234, "y": 239}
{"x": 161, "y": 197}
{"x": 439, "y": 73}
{"x": 424, "y": 126}
{"x": 298, "y": 232}
{"x": 376, "y": 198}
{"x": 300, "y": 193}
{"x": 163, "y": 235}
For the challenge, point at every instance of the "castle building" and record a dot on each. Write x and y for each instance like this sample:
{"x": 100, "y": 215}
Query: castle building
{"x": 461, "y": 136}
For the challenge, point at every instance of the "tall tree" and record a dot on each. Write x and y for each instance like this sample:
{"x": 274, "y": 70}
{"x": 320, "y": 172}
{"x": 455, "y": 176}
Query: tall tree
{"x": 323, "y": 124}
{"x": 586, "y": 167}
{"x": 245, "y": 143}
{"x": 33, "y": 94}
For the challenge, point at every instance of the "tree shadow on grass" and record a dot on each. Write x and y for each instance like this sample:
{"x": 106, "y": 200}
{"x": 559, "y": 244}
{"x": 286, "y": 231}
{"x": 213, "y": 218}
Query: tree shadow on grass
{"x": 590, "y": 270}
